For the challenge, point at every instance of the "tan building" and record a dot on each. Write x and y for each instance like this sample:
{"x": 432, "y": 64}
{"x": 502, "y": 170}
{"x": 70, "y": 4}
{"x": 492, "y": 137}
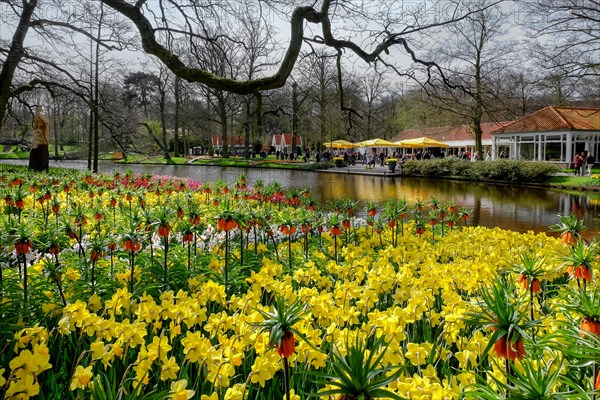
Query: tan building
{"x": 550, "y": 134}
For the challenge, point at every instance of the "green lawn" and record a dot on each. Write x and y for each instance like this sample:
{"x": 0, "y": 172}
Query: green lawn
{"x": 270, "y": 162}
{"x": 573, "y": 181}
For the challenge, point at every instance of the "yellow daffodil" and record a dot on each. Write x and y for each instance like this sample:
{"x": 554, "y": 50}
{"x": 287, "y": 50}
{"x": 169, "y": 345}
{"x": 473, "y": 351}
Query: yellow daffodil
{"x": 81, "y": 377}
{"x": 179, "y": 391}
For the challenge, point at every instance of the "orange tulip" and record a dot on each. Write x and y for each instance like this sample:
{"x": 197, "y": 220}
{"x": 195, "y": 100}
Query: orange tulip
{"x": 288, "y": 345}
{"x": 129, "y": 245}
{"x": 294, "y": 201}
{"x": 95, "y": 255}
{"x": 163, "y": 230}
{"x": 335, "y": 231}
{"x": 535, "y": 283}
{"x": 505, "y": 349}
{"x": 226, "y": 224}
{"x": 23, "y": 247}
{"x": 567, "y": 238}
{"x": 583, "y": 272}
{"x": 287, "y": 230}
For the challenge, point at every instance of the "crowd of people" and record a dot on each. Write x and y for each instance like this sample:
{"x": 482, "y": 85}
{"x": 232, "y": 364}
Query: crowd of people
{"x": 584, "y": 162}
{"x": 369, "y": 158}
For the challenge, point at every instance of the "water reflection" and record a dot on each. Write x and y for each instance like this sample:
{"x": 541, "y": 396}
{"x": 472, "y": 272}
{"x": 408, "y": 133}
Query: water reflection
{"x": 506, "y": 206}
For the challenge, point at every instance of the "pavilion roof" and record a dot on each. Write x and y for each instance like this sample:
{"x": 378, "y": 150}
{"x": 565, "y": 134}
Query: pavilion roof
{"x": 555, "y": 118}
{"x": 449, "y": 133}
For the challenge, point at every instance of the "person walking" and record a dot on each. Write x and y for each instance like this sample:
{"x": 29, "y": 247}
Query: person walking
{"x": 590, "y": 163}
{"x": 578, "y": 163}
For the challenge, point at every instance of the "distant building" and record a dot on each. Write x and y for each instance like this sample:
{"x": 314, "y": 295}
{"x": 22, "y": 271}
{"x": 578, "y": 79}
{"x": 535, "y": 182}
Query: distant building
{"x": 234, "y": 142}
{"x": 283, "y": 142}
{"x": 457, "y": 137}
{"x": 550, "y": 134}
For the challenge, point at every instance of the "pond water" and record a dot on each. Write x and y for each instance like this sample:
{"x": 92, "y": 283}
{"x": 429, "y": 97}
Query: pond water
{"x": 517, "y": 208}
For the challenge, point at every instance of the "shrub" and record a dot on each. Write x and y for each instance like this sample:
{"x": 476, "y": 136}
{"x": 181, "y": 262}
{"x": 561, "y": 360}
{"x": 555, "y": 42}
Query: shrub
{"x": 412, "y": 167}
{"x": 497, "y": 170}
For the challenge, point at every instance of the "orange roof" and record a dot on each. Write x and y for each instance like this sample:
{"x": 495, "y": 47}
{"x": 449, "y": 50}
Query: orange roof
{"x": 450, "y": 133}
{"x": 556, "y": 119}
{"x": 217, "y": 140}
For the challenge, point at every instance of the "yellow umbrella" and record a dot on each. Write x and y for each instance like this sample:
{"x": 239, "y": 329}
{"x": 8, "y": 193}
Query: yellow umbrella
{"x": 377, "y": 143}
{"x": 339, "y": 144}
{"x": 421, "y": 142}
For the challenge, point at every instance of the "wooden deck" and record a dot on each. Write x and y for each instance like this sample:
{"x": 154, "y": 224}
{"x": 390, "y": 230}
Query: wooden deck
{"x": 361, "y": 169}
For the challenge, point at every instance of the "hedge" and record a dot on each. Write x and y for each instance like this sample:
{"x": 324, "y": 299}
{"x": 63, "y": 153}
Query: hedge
{"x": 497, "y": 170}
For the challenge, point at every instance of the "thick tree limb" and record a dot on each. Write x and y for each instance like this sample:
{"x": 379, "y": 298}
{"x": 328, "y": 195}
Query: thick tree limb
{"x": 174, "y": 63}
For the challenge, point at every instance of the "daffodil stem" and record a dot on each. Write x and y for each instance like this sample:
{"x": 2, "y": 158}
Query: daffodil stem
{"x": 275, "y": 246}
{"x": 335, "y": 248}
{"x": 286, "y": 378}
{"x": 166, "y": 258}
{"x": 290, "y": 250}
{"x": 226, "y": 256}
{"x": 531, "y": 298}
{"x": 306, "y": 246}
{"x": 93, "y": 276}
{"x": 189, "y": 251}
{"x": 132, "y": 261}
{"x": 24, "y": 281}
{"x": 595, "y": 374}
{"x": 57, "y": 280}
{"x": 255, "y": 240}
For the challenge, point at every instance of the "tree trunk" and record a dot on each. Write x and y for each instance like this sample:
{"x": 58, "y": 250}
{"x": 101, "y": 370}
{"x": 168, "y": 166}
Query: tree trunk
{"x": 295, "y": 119}
{"x": 247, "y": 126}
{"x": 478, "y": 134}
{"x": 14, "y": 55}
{"x": 478, "y": 97}
{"x": 97, "y": 93}
{"x": 223, "y": 117}
{"x": 176, "y": 118}
{"x": 90, "y": 134}
{"x": 259, "y": 119}
{"x": 163, "y": 123}
{"x": 55, "y": 124}
{"x": 322, "y": 102}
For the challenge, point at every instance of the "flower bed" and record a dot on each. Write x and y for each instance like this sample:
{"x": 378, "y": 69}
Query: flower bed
{"x": 160, "y": 287}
